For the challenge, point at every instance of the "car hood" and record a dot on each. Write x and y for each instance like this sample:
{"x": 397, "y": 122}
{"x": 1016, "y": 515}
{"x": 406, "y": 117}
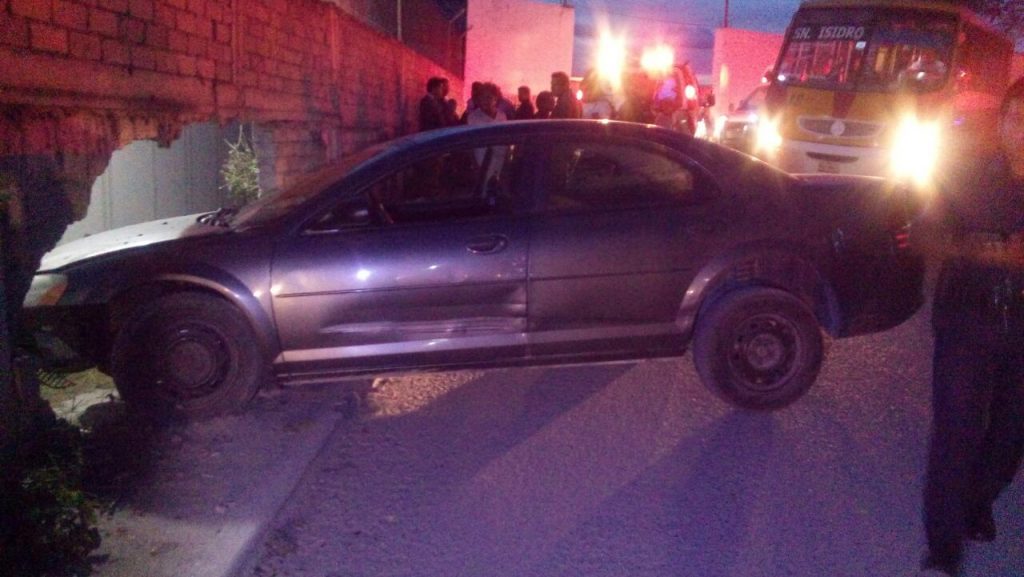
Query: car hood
{"x": 128, "y": 237}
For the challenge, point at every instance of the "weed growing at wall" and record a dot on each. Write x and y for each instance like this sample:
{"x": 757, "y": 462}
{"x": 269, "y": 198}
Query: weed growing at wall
{"x": 241, "y": 171}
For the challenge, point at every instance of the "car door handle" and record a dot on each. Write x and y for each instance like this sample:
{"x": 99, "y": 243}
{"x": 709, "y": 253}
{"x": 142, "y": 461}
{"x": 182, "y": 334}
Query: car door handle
{"x": 487, "y": 244}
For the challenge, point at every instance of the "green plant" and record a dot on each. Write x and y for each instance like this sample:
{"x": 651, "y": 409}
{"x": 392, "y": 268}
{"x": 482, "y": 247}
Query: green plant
{"x": 50, "y": 521}
{"x": 241, "y": 171}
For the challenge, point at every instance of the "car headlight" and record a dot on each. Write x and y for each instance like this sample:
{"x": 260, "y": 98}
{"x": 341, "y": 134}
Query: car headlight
{"x": 915, "y": 150}
{"x": 768, "y": 138}
{"x": 46, "y": 290}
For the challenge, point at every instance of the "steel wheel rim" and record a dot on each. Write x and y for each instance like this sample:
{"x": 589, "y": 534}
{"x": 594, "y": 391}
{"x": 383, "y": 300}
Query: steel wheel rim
{"x": 764, "y": 351}
{"x": 192, "y": 361}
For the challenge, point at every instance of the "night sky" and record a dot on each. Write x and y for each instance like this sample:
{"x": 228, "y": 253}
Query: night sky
{"x": 688, "y": 25}
{"x": 764, "y": 15}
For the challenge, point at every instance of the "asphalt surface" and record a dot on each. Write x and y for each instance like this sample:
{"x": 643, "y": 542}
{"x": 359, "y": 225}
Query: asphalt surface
{"x": 619, "y": 470}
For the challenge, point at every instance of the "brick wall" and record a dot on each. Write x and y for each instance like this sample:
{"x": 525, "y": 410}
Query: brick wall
{"x": 428, "y": 30}
{"x": 328, "y": 82}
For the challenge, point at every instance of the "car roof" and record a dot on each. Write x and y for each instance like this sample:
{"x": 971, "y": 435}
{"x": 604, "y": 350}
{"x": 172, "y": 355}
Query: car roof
{"x": 720, "y": 161}
{"x": 522, "y": 128}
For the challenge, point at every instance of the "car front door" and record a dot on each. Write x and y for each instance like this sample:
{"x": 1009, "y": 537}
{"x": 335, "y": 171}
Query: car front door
{"x": 618, "y": 233}
{"x": 426, "y": 266}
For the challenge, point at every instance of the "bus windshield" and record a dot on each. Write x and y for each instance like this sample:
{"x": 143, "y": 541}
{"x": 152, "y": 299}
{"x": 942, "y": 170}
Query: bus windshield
{"x": 864, "y": 49}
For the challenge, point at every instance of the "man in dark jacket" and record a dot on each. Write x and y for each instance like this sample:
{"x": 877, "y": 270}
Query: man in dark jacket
{"x": 977, "y": 436}
{"x": 566, "y": 105}
{"x": 525, "y": 109}
{"x": 433, "y": 109}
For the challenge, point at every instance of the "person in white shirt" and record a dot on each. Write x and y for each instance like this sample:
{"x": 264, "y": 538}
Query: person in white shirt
{"x": 487, "y": 112}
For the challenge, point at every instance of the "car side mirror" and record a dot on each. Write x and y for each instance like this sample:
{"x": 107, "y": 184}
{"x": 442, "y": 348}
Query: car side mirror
{"x": 346, "y": 215}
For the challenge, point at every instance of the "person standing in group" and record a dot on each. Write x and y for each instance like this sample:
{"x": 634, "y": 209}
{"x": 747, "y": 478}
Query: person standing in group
{"x": 637, "y": 105}
{"x": 473, "y": 102}
{"x": 977, "y": 435}
{"x": 525, "y": 109}
{"x": 504, "y": 104}
{"x": 433, "y": 107}
{"x": 566, "y": 104}
{"x": 486, "y": 111}
{"x": 545, "y": 105}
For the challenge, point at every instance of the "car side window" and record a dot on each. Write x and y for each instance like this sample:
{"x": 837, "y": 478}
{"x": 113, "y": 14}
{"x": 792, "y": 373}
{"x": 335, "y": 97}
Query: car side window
{"x": 614, "y": 175}
{"x": 470, "y": 182}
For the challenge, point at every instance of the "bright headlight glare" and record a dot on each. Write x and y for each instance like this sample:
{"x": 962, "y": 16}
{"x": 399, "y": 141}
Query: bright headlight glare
{"x": 915, "y": 150}
{"x": 768, "y": 137}
{"x": 611, "y": 59}
{"x": 46, "y": 290}
{"x": 657, "y": 59}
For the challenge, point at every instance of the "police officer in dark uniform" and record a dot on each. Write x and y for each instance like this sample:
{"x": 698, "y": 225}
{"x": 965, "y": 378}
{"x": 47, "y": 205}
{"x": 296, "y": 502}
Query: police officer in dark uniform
{"x": 977, "y": 436}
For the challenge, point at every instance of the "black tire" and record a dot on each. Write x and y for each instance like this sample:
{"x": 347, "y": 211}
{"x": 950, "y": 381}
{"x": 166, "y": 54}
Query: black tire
{"x": 758, "y": 348}
{"x": 187, "y": 355}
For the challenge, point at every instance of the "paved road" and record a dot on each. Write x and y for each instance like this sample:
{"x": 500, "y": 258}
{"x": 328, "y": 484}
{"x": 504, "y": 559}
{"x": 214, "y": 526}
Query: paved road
{"x": 619, "y": 470}
{"x": 627, "y": 470}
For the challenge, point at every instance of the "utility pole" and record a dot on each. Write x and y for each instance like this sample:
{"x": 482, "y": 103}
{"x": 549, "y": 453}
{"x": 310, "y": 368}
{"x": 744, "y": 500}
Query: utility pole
{"x": 725, "y": 22}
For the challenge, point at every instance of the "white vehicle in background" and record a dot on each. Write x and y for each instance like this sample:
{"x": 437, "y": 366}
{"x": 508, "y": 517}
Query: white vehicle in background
{"x": 738, "y": 128}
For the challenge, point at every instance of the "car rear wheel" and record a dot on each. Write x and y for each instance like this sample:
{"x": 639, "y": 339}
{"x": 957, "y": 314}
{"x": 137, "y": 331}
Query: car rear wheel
{"x": 187, "y": 354}
{"x": 758, "y": 348}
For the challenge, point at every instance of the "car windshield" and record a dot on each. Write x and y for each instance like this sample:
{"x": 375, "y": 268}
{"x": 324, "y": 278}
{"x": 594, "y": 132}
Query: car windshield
{"x": 272, "y": 206}
{"x": 862, "y": 49}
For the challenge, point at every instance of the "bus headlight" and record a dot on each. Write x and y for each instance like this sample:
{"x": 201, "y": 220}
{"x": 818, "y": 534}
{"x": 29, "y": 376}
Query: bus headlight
{"x": 915, "y": 150}
{"x": 768, "y": 138}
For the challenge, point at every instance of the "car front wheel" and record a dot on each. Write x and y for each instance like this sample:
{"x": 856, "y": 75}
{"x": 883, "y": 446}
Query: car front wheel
{"x": 758, "y": 348}
{"x": 187, "y": 354}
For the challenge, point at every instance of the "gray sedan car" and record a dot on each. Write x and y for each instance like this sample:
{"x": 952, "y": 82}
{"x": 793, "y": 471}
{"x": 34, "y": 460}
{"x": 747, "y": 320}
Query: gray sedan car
{"x": 519, "y": 243}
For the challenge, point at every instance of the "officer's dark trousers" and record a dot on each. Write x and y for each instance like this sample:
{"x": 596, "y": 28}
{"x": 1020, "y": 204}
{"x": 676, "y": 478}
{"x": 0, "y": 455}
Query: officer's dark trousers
{"x": 977, "y": 429}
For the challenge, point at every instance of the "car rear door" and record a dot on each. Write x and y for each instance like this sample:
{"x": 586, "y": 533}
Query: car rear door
{"x": 619, "y": 229}
{"x": 426, "y": 266}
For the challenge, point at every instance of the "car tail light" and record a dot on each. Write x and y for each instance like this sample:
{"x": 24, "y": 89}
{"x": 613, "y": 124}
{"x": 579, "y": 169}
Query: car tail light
{"x": 902, "y": 237}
